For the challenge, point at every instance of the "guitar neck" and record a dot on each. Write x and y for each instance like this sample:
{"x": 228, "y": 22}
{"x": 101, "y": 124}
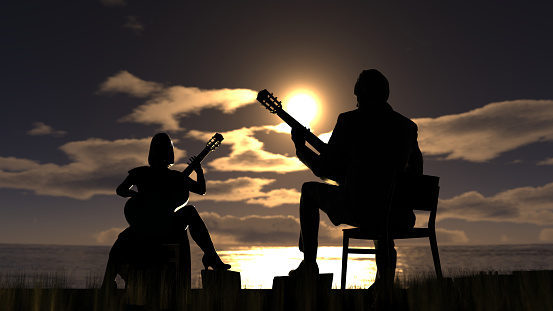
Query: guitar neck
{"x": 199, "y": 158}
{"x": 313, "y": 140}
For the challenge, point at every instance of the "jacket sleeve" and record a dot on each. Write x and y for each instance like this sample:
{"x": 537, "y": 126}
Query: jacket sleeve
{"x": 328, "y": 164}
{"x": 415, "y": 162}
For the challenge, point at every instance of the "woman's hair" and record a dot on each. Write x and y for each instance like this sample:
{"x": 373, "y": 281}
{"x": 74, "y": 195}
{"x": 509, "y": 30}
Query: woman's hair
{"x": 372, "y": 86}
{"x": 161, "y": 151}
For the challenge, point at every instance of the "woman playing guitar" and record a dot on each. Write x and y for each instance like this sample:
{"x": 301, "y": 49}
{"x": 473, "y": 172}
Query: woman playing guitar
{"x": 157, "y": 211}
{"x": 161, "y": 191}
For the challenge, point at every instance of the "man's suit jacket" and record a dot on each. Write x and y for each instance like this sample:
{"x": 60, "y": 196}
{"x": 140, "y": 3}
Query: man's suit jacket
{"x": 365, "y": 150}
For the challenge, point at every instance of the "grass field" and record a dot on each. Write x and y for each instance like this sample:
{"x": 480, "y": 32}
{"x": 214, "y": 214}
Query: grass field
{"x": 521, "y": 290}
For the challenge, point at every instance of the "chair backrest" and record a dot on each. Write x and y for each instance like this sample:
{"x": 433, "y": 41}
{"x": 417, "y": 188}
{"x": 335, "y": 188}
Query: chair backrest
{"x": 419, "y": 192}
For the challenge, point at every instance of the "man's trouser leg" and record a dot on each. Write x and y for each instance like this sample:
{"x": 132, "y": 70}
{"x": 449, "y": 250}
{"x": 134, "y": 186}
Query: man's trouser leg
{"x": 386, "y": 258}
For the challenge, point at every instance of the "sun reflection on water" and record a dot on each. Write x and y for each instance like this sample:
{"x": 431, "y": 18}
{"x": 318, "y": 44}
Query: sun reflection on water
{"x": 259, "y": 265}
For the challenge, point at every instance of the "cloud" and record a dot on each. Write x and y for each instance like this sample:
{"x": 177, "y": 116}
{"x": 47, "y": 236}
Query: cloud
{"x": 278, "y": 230}
{"x": 248, "y": 190}
{"x": 134, "y": 24}
{"x": 125, "y": 82}
{"x": 41, "y": 129}
{"x": 532, "y": 205}
{"x": 546, "y": 235}
{"x": 108, "y": 237}
{"x": 325, "y": 137}
{"x": 11, "y": 164}
{"x": 167, "y": 104}
{"x": 97, "y": 166}
{"x": 264, "y": 230}
{"x": 451, "y": 236}
{"x": 548, "y": 161}
{"x": 247, "y": 154}
{"x": 483, "y": 134}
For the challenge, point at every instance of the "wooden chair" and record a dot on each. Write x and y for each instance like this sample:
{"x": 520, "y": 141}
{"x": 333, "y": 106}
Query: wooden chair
{"x": 419, "y": 192}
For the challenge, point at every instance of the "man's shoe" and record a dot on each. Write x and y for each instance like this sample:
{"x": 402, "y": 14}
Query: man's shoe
{"x": 305, "y": 269}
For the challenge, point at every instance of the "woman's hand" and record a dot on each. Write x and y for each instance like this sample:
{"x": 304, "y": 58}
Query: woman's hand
{"x": 195, "y": 165}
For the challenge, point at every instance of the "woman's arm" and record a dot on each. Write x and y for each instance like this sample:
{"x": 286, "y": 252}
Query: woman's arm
{"x": 124, "y": 189}
{"x": 198, "y": 186}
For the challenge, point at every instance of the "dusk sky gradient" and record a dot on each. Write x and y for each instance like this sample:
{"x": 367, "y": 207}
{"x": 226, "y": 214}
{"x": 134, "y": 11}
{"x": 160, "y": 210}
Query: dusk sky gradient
{"x": 86, "y": 84}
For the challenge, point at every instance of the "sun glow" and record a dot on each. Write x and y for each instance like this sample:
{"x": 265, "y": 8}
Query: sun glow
{"x": 303, "y": 106}
{"x": 259, "y": 265}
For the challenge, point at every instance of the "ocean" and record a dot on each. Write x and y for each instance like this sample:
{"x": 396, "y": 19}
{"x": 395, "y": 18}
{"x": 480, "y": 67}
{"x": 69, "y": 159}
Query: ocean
{"x": 83, "y": 266}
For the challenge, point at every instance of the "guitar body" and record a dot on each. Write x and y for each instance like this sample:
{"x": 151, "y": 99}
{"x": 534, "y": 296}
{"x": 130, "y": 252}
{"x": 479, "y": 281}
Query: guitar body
{"x": 153, "y": 216}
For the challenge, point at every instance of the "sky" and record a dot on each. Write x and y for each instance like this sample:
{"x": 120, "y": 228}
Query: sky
{"x": 86, "y": 84}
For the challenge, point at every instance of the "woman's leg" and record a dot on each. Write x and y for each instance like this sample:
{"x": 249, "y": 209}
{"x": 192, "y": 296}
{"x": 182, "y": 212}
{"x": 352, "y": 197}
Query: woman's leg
{"x": 188, "y": 216}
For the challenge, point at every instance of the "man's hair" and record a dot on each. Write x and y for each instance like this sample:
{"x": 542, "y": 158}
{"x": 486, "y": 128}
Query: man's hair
{"x": 161, "y": 151}
{"x": 371, "y": 86}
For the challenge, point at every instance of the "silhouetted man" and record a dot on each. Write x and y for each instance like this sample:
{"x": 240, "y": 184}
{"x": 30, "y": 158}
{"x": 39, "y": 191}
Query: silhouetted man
{"x": 368, "y": 145}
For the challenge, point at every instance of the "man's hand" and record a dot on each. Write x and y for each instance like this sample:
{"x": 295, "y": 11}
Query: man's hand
{"x": 298, "y": 136}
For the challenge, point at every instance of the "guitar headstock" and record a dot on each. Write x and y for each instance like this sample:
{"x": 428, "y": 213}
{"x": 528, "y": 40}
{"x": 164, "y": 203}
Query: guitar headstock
{"x": 215, "y": 141}
{"x": 269, "y": 101}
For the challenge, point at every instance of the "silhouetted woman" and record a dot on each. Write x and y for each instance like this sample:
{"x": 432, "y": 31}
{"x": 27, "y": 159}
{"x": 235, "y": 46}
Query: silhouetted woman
{"x": 152, "y": 216}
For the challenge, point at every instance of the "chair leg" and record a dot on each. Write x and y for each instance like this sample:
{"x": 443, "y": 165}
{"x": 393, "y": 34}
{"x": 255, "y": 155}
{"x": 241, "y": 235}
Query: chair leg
{"x": 344, "y": 260}
{"x": 435, "y": 255}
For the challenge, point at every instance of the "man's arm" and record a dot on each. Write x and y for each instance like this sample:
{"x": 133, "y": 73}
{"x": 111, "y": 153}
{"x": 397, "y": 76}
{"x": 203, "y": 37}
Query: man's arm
{"x": 415, "y": 163}
{"x": 326, "y": 165}
{"x": 305, "y": 154}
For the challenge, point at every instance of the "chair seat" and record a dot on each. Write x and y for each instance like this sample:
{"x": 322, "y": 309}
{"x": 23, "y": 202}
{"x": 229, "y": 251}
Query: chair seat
{"x": 372, "y": 234}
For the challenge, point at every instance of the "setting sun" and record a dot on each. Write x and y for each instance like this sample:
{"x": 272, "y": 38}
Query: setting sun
{"x": 303, "y": 106}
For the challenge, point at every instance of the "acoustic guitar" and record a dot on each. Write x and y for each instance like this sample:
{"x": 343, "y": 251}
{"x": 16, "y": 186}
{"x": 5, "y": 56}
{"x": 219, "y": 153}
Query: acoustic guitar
{"x": 152, "y": 215}
{"x": 275, "y": 107}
